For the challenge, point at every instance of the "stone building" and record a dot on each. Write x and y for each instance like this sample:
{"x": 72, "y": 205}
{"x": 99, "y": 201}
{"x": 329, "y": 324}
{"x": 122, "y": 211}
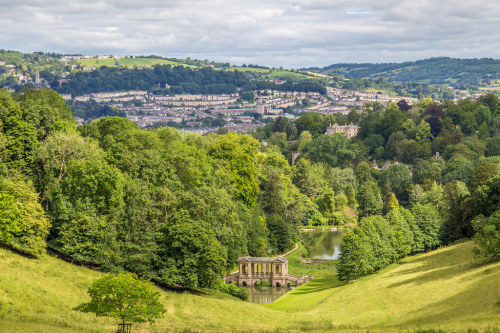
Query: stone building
{"x": 272, "y": 270}
{"x": 349, "y": 130}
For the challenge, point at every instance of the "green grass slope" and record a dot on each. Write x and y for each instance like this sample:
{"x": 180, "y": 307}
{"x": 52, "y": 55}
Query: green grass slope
{"x": 129, "y": 62}
{"x": 440, "y": 290}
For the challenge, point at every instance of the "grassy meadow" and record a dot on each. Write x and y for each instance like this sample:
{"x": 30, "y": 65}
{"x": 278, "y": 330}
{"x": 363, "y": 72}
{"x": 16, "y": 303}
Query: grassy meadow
{"x": 129, "y": 62}
{"x": 284, "y": 75}
{"x": 440, "y": 291}
{"x": 281, "y": 74}
{"x": 493, "y": 88}
{"x": 249, "y": 69}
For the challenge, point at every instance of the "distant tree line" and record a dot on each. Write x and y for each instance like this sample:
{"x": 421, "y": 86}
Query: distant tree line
{"x": 93, "y": 110}
{"x": 303, "y": 86}
{"x": 409, "y": 89}
{"x": 165, "y": 79}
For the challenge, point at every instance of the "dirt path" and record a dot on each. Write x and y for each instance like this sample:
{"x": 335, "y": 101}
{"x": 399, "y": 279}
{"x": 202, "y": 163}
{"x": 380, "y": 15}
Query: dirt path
{"x": 287, "y": 253}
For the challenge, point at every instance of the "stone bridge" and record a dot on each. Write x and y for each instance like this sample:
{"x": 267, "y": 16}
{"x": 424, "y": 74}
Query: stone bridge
{"x": 272, "y": 270}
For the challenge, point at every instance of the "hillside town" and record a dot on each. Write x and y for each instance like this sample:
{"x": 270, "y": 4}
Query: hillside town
{"x": 188, "y": 111}
{"x": 147, "y": 109}
{"x": 240, "y": 116}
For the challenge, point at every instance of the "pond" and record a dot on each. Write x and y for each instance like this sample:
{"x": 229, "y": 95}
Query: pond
{"x": 266, "y": 294}
{"x": 323, "y": 244}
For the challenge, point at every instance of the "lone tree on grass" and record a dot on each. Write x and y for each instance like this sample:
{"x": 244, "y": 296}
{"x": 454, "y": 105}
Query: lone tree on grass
{"x": 125, "y": 297}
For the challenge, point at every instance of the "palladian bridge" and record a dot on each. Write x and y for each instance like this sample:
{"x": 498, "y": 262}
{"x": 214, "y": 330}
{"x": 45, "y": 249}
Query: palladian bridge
{"x": 272, "y": 270}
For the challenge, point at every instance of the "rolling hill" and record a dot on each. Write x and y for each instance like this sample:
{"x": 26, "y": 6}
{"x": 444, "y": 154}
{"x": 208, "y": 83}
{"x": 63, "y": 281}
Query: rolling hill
{"x": 130, "y": 62}
{"x": 439, "y": 291}
{"x": 442, "y": 70}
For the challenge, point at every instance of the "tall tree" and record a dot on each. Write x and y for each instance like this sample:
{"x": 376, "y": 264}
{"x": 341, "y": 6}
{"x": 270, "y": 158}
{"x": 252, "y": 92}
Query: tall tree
{"x": 334, "y": 150}
{"x": 45, "y": 110}
{"x": 238, "y": 154}
{"x": 433, "y": 115}
{"x": 21, "y": 136}
{"x": 189, "y": 254}
{"x": 31, "y": 225}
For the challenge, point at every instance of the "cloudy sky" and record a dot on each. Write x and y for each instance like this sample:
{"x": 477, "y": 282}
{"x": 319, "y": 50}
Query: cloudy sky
{"x": 289, "y": 33}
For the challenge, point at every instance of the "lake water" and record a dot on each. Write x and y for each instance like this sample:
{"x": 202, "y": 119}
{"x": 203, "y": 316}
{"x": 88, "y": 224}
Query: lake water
{"x": 266, "y": 294}
{"x": 321, "y": 245}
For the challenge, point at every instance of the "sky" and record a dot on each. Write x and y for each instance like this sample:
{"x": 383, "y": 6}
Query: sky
{"x": 288, "y": 33}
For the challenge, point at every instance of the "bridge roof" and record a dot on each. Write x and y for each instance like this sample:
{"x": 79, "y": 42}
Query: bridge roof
{"x": 263, "y": 259}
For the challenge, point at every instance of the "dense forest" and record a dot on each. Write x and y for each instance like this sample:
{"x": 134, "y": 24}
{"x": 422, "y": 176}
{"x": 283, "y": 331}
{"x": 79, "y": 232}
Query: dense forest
{"x": 181, "y": 208}
{"x": 443, "y": 70}
{"x": 165, "y": 79}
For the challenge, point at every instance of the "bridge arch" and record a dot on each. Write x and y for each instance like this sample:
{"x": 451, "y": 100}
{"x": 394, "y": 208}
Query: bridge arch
{"x": 267, "y": 282}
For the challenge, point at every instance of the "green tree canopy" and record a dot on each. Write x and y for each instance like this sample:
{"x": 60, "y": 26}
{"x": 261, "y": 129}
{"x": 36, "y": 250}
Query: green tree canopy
{"x": 45, "y": 110}
{"x": 190, "y": 254}
{"x": 29, "y": 225}
{"x": 335, "y": 150}
{"x": 487, "y": 237}
{"x": 123, "y": 296}
{"x": 311, "y": 122}
{"x": 238, "y": 155}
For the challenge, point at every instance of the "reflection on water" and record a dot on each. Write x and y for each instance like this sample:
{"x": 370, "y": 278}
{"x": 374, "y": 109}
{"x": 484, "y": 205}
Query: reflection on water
{"x": 323, "y": 244}
{"x": 266, "y": 294}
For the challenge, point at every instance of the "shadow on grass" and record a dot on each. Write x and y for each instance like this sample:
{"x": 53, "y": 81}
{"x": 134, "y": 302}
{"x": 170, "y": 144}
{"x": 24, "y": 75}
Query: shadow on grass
{"x": 479, "y": 300}
{"x": 441, "y": 265}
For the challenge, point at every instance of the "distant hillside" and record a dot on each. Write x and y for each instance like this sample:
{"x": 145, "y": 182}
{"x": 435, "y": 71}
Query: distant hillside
{"x": 129, "y": 62}
{"x": 439, "y": 291}
{"x": 434, "y": 71}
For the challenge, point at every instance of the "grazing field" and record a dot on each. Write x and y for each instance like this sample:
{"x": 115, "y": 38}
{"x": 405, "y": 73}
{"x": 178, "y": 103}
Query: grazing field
{"x": 492, "y": 89}
{"x": 249, "y": 69}
{"x": 283, "y": 75}
{"x": 439, "y": 291}
{"x": 129, "y": 62}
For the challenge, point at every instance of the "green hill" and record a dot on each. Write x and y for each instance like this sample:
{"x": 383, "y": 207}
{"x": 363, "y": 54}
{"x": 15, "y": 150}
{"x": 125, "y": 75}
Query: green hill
{"x": 440, "y": 290}
{"x": 129, "y": 62}
{"x": 440, "y": 70}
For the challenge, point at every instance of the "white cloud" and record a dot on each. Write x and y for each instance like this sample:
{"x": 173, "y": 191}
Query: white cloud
{"x": 292, "y": 33}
